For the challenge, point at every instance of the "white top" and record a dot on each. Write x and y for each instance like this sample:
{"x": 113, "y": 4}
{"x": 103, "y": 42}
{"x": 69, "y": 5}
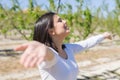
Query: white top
{"x": 66, "y": 69}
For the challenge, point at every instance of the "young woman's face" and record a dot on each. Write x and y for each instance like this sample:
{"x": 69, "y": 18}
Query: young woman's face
{"x": 60, "y": 26}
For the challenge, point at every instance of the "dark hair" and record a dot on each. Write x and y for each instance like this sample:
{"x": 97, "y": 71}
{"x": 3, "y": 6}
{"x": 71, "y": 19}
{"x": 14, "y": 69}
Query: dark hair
{"x": 42, "y": 25}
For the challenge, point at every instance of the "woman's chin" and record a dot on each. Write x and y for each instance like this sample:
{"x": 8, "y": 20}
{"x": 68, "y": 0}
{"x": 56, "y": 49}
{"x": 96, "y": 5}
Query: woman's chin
{"x": 67, "y": 32}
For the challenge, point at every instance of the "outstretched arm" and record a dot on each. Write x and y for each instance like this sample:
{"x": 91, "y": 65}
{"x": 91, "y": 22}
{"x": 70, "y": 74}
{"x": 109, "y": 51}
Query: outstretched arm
{"x": 90, "y": 42}
{"x": 34, "y": 53}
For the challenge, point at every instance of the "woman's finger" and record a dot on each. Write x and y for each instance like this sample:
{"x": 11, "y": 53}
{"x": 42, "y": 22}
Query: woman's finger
{"x": 40, "y": 60}
{"x": 21, "y": 47}
{"x": 34, "y": 62}
{"x": 27, "y": 62}
{"x": 30, "y": 59}
{"x": 28, "y": 52}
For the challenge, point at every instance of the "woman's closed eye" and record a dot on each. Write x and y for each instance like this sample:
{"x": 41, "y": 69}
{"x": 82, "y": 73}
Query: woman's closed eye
{"x": 59, "y": 20}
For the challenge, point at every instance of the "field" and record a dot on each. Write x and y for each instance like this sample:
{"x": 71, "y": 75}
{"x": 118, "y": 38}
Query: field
{"x": 11, "y": 69}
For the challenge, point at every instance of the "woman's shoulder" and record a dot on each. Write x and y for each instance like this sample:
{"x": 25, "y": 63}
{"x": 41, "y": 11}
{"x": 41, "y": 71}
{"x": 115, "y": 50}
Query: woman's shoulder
{"x": 69, "y": 45}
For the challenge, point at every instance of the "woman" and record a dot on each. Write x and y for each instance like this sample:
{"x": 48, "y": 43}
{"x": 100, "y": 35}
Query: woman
{"x": 54, "y": 59}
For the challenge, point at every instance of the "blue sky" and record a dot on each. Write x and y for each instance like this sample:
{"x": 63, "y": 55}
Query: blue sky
{"x": 93, "y": 4}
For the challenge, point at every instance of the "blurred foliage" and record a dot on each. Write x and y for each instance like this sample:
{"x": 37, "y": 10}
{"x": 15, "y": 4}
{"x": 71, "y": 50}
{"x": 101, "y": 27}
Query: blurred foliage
{"x": 82, "y": 22}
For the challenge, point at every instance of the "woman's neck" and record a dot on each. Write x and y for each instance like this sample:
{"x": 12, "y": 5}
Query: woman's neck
{"x": 59, "y": 48}
{"x": 58, "y": 44}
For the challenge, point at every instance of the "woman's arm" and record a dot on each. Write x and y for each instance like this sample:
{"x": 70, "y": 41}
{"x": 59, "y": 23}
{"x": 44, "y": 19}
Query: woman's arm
{"x": 90, "y": 42}
{"x": 34, "y": 54}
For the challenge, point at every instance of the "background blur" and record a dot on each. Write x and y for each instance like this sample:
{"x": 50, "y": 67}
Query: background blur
{"x": 84, "y": 17}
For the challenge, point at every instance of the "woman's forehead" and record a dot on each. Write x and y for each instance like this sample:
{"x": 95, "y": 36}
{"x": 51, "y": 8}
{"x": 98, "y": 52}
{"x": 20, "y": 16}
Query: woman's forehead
{"x": 56, "y": 17}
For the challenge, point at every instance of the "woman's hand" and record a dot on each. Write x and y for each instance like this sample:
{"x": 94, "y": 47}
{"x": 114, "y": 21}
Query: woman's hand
{"x": 34, "y": 53}
{"x": 107, "y": 35}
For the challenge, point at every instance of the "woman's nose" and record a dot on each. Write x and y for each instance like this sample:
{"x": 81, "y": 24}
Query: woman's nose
{"x": 64, "y": 21}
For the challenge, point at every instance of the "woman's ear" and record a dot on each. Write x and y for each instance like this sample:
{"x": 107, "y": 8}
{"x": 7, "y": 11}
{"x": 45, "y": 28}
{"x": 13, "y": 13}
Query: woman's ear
{"x": 51, "y": 32}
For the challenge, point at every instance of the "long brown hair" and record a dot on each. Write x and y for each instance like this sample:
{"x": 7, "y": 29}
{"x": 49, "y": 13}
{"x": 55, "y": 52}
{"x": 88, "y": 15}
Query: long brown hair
{"x": 42, "y": 25}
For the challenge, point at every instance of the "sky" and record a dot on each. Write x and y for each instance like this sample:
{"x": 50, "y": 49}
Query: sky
{"x": 93, "y": 4}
